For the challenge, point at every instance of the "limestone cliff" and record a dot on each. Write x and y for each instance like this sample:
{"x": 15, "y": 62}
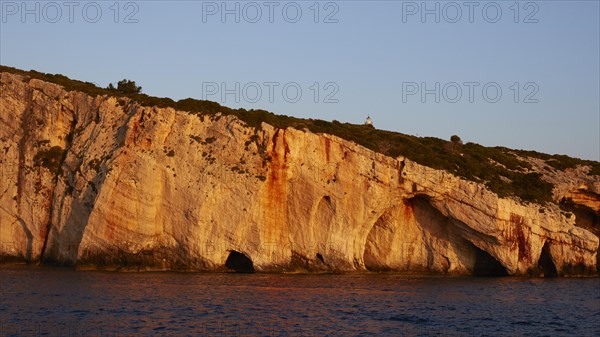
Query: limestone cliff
{"x": 102, "y": 182}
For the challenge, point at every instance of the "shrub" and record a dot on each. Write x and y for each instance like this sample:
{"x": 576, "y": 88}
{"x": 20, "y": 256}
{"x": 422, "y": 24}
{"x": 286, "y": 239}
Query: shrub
{"x": 125, "y": 87}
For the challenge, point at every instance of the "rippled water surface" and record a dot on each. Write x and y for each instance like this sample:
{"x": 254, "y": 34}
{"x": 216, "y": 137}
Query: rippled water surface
{"x": 59, "y": 302}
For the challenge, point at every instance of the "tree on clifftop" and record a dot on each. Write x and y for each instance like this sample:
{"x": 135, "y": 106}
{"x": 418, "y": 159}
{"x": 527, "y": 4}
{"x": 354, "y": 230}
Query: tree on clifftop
{"x": 456, "y": 140}
{"x": 454, "y": 145}
{"x": 126, "y": 87}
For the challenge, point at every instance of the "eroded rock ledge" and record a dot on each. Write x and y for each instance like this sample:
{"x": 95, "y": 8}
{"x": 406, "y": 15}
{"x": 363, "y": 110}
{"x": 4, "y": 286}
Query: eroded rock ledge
{"x": 100, "y": 182}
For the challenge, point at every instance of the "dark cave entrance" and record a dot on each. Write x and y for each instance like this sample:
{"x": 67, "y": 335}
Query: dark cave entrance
{"x": 239, "y": 262}
{"x": 487, "y": 265}
{"x": 545, "y": 262}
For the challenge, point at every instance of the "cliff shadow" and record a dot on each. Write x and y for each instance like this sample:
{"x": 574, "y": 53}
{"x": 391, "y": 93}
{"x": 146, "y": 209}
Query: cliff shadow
{"x": 64, "y": 248}
{"x": 545, "y": 263}
{"x": 486, "y": 265}
{"x": 379, "y": 243}
{"x": 585, "y": 218}
{"x": 28, "y": 254}
{"x": 29, "y": 248}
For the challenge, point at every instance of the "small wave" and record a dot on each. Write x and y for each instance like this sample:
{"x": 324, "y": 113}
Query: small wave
{"x": 408, "y": 319}
{"x": 526, "y": 323}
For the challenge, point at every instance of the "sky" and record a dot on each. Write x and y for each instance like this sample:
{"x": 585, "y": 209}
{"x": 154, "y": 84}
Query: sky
{"x": 524, "y": 75}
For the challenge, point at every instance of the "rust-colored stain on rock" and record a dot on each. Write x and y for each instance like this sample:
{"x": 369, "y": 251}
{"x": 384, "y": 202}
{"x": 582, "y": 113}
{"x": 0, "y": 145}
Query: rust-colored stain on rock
{"x": 519, "y": 236}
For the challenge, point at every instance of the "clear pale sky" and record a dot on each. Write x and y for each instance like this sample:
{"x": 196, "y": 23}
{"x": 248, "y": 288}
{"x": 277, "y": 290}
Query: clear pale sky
{"x": 371, "y": 61}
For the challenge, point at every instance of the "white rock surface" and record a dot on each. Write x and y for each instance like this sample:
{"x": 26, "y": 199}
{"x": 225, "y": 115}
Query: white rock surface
{"x": 146, "y": 188}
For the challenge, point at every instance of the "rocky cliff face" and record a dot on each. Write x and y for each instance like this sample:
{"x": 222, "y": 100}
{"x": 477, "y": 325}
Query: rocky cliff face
{"x": 100, "y": 182}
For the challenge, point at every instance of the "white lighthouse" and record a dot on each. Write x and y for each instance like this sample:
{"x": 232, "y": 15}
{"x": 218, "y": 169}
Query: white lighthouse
{"x": 369, "y": 121}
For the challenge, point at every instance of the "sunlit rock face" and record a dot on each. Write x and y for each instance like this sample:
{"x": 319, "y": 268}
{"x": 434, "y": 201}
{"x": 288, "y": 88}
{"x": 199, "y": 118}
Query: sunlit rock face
{"x": 100, "y": 182}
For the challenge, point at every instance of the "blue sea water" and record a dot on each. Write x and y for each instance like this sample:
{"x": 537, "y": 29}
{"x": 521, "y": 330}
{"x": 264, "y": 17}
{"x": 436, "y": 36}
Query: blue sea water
{"x": 42, "y": 301}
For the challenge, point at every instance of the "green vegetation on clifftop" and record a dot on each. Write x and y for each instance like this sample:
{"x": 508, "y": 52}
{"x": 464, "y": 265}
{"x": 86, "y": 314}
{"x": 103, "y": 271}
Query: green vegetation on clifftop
{"x": 497, "y": 167}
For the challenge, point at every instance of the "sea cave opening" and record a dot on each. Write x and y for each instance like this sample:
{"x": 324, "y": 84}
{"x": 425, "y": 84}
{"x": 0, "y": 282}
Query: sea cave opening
{"x": 378, "y": 243}
{"x": 487, "y": 265}
{"x": 545, "y": 262}
{"x": 239, "y": 262}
